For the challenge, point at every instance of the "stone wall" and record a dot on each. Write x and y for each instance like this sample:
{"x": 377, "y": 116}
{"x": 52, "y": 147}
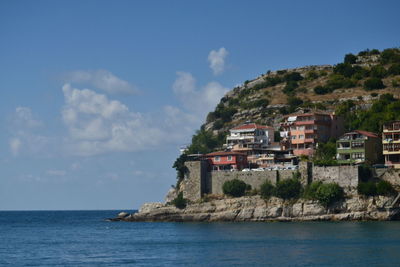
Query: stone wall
{"x": 193, "y": 185}
{"x": 345, "y": 176}
{"x": 198, "y": 181}
{"x": 253, "y": 178}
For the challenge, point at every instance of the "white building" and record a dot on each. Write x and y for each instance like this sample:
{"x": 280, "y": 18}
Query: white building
{"x": 250, "y": 136}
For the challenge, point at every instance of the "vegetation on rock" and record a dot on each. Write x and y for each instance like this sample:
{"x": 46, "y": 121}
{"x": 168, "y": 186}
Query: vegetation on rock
{"x": 234, "y": 188}
{"x": 371, "y": 188}
{"x": 267, "y": 190}
{"x": 289, "y": 188}
{"x": 179, "y": 201}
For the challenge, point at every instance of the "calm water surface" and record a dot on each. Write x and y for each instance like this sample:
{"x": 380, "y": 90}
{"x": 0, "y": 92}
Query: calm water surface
{"x": 83, "y": 238}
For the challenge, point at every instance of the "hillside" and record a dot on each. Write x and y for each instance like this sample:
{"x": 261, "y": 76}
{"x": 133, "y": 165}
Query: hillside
{"x": 364, "y": 89}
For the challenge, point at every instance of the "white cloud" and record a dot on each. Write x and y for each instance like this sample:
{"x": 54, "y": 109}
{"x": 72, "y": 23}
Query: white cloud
{"x": 101, "y": 79}
{"x": 23, "y": 117}
{"x": 24, "y": 137}
{"x": 15, "y": 146}
{"x": 99, "y": 125}
{"x": 56, "y": 172}
{"x": 200, "y": 101}
{"x": 217, "y": 60}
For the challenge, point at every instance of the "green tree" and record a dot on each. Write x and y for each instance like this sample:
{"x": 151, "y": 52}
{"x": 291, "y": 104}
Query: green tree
{"x": 267, "y": 190}
{"x": 373, "y": 83}
{"x": 234, "y": 188}
{"x": 384, "y": 188}
{"x": 327, "y": 194}
{"x": 290, "y": 188}
{"x": 350, "y": 58}
{"x": 321, "y": 90}
{"x": 180, "y": 168}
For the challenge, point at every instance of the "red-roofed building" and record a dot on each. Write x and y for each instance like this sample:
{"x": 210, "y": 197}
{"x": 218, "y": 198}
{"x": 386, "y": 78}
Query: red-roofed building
{"x": 227, "y": 160}
{"x": 358, "y": 147}
{"x": 250, "y": 136}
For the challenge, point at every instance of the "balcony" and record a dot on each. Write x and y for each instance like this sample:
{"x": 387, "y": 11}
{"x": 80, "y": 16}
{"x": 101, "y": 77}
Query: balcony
{"x": 311, "y": 131}
{"x": 392, "y": 128}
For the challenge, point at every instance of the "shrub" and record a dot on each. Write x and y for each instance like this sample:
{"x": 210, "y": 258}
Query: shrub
{"x": 310, "y": 192}
{"x": 234, "y": 188}
{"x": 290, "y": 87}
{"x": 267, "y": 190}
{"x": 218, "y": 124}
{"x": 293, "y": 76}
{"x": 394, "y": 69}
{"x": 344, "y": 69}
{"x": 378, "y": 71}
{"x": 311, "y": 75}
{"x": 179, "y": 201}
{"x": 294, "y": 102}
{"x": 384, "y": 188}
{"x": 373, "y": 83}
{"x": 327, "y": 194}
{"x": 321, "y": 90}
{"x": 337, "y": 81}
{"x": 391, "y": 55}
{"x": 367, "y": 188}
{"x": 350, "y": 58}
{"x": 289, "y": 188}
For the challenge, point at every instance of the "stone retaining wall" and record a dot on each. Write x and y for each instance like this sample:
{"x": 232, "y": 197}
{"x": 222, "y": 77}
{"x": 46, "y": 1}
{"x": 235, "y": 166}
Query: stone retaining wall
{"x": 198, "y": 181}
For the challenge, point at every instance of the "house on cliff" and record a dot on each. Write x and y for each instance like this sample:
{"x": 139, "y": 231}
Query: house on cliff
{"x": 359, "y": 147}
{"x": 391, "y": 144}
{"x": 303, "y": 131}
{"x": 250, "y": 136}
{"x": 226, "y": 160}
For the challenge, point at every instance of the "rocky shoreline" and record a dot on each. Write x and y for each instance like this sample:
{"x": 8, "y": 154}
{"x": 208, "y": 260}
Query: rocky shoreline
{"x": 256, "y": 209}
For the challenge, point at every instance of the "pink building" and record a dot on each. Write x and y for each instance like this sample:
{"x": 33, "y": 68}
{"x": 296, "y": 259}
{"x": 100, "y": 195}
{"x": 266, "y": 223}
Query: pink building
{"x": 227, "y": 160}
{"x": 303, "y": 131}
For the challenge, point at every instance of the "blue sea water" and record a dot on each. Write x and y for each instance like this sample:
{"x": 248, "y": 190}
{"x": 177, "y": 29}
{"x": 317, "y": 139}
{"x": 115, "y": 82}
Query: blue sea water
{"x": 83, "y": 238}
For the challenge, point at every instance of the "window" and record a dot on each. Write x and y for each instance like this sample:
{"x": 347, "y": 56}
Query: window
{"x": 229, "y": 158}
{"x": 301, "y": 136}
{"x": 293, "y": 137}
{"x": 217, "y": 158}
{"x": 358, "y": 155}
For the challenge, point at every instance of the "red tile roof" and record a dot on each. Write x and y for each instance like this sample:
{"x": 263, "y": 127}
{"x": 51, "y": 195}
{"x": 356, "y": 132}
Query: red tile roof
{"x": 369, "y": 134}
{"x": 251, "y": 126}
{"x": 225, "y": 153}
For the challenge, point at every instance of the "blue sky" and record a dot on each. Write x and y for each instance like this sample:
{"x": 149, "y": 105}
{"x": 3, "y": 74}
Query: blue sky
{"x": 98, "y": 96}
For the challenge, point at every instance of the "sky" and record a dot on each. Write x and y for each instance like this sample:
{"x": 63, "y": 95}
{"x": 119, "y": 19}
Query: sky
{"x": 97, "y": 97}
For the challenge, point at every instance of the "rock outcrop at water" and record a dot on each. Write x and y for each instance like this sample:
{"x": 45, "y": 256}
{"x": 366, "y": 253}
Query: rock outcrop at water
{"x": 254, "y": 208}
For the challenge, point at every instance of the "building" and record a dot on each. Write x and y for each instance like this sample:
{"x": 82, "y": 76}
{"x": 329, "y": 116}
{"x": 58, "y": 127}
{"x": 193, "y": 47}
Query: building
{"x": 227, "y": 160}
{"x": 273, "y": 158}
{"x": 303, "y": 131}
{"x": 358, "y": 147}
{"x": 250, "y": 136}
{"x": 391, "y": 144}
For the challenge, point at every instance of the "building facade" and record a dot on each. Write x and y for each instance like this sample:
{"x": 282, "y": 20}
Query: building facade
{"x": 230, "y": 160}
{"x": 358, "y": 147}
{"x": 250, "y": 136}
{"x": 391, "y": 144}
{"x": 303, "y": 131}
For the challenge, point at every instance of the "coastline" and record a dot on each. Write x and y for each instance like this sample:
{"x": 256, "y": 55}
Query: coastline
{"x": 256, "y": 209}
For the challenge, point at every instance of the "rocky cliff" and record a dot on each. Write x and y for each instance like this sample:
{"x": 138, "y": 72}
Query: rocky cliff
{"x": 256, "y": 209}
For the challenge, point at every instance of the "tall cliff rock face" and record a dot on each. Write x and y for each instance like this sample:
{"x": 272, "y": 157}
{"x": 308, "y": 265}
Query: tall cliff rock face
{"x": 254, "y": 208}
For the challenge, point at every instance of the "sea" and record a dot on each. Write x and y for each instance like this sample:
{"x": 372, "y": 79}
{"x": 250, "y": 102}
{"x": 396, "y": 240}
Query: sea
{"x": 85, "y": 238}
